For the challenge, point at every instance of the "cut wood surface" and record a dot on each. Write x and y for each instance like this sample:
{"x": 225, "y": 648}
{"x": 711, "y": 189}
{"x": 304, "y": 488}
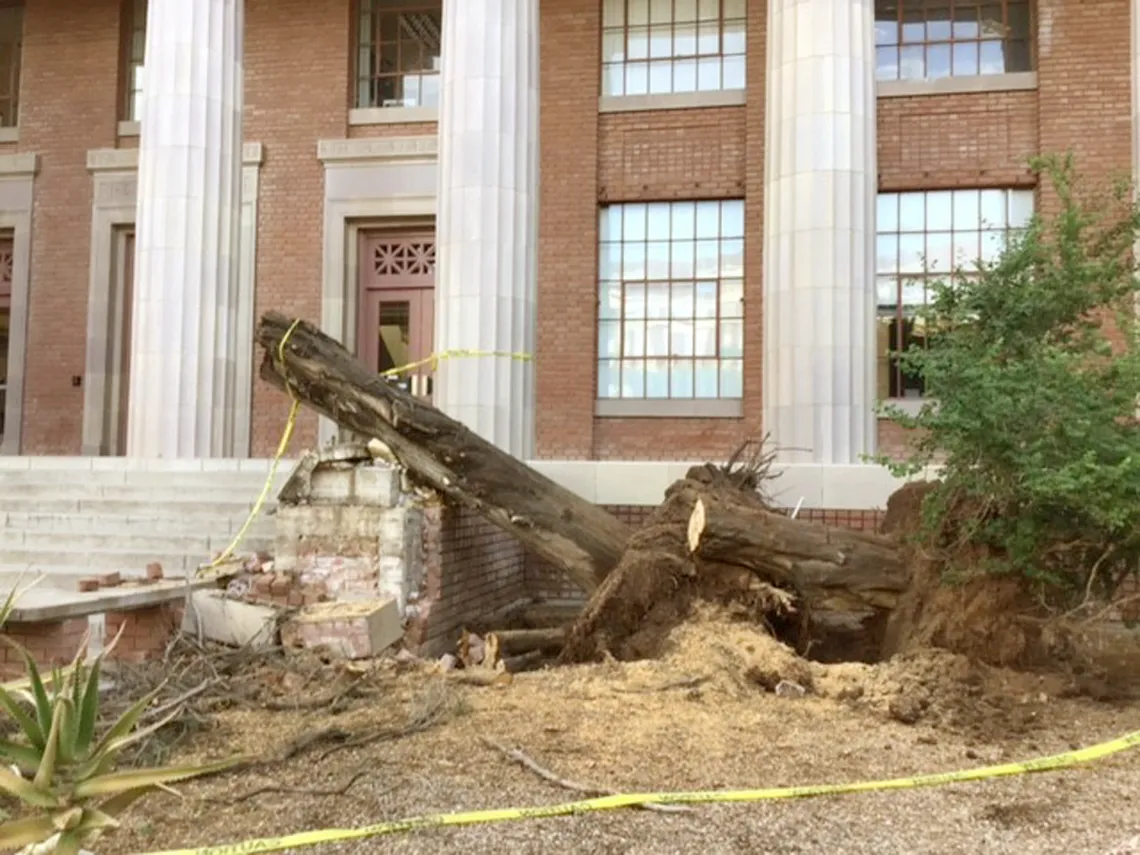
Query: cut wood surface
{"x": 834, "y": 569}
{"x": 513, "y": 641}
{"x": 576, "y": 536}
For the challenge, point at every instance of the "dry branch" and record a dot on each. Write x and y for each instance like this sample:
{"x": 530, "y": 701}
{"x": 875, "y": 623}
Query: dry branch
{"x": 518, "y": 756}
{"x": 571, "y": 533}
{"x": 515, "y": 641}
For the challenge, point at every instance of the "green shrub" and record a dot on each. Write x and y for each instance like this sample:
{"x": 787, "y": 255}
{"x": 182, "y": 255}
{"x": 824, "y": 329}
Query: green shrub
{"x": 1032, "y": 414}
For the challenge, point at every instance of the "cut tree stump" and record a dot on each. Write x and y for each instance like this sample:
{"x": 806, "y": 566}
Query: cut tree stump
{"x": 714, "y": 539}
{"x": 574, "y": 535}
{"x": 832, "y": 569}
{"x": 515, "y": 641}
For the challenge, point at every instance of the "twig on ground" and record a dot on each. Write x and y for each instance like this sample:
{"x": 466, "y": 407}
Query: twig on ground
{"x": 157, "y": 712}
{"x": 516, "y": 755}
{"x": 296, "y": 791}
{"x": 684, "y": 683}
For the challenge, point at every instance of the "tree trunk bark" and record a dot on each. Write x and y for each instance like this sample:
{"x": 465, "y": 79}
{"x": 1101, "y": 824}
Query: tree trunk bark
{"x": 580, "y": 538}
{"x": 514, "y": 641}
{"x": 833, "y": 569}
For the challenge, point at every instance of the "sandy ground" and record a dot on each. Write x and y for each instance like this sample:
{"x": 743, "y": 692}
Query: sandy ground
{"x": 646, "y": 726}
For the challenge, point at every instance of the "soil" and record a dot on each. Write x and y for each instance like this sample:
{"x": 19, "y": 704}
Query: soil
{"x": 715, "y": 710}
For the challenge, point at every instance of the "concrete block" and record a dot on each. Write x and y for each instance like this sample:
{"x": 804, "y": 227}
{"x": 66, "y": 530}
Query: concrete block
{"x": 332, "y": 486}
{"x": 230, "y": 621}
{"x": 354, "y": 630}
{"x": 377, "y": 485}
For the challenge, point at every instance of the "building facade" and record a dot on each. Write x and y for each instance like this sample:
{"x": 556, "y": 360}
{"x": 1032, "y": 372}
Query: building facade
{"x": 670, "y": 224}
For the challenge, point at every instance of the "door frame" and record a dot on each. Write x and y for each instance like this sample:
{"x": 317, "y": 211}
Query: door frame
{"x": 420, "y": 328}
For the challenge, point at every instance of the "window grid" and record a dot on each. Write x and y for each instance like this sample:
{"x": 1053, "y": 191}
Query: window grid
{"x": 398, "y": 53}
{"x": 671, "y": 301}
{"x": 916, "y": 40}
{"x": 11, "y": 50}
{"x": 657, "y": 47}
{"x": 928, "y": 236}
{"x": 135, "y": 57}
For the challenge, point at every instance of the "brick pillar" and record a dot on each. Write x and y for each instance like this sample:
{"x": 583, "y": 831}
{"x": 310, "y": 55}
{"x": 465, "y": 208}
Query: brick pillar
{"x": 819, "y": 243}
{"x": 146, "y": 632}
{"x": 183, "y": 331}
{"x": 487, "y": 225}
{"x": 50, "y": 643}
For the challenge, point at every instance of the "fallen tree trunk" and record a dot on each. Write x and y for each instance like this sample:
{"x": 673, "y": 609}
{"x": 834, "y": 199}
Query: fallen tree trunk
{"x": 576, "y": 536}
{"x": 832, "y": 569}
{"x": 714, "y": 539}
{"x": 514, "y": 641}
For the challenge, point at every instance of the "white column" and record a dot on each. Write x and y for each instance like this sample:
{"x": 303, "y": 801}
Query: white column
{"x": 819, "y": 230}
{"x": 487, "y": 220}
{"x": 183, "y": 332}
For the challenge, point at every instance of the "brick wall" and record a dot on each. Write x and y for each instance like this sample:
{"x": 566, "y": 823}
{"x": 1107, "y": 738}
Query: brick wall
{"x": 960, "y": 140}
{"x": 471, "y": 571}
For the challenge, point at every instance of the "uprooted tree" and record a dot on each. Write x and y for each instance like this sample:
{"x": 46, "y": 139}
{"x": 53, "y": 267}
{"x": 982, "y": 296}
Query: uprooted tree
{"x": 1033, "y": 376}
{"x": 1034, "y": 427}
{"x": 640, "y": 573}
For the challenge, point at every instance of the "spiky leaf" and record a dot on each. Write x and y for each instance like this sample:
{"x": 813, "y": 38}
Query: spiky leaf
{"x": 25, "y": 756}
{"x": 22, "y": 832}
{"x": 68, "y": 819}
{"x": 119, "y": 803}
{"x": 107, "y": 756}
{"x": 71, "y": 842}
{"x": 39, "y": 693}
{"x": 67, "y": 728}
{"x": 126, "y": 722}
{"x": 121, "y": 782}
{"x": 26, "y": 791}
{"x": 28, "y": 723}
{"x": 88, "y": 707}
{"x": 46, "y": 772}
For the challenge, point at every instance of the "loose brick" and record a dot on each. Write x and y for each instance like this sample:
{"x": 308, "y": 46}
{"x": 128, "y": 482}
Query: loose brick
{"x": 356, "y": 630}
{"x": 154, "y": 571}
{"x": 88, "y": 584}
{"x": 110, "y": 580}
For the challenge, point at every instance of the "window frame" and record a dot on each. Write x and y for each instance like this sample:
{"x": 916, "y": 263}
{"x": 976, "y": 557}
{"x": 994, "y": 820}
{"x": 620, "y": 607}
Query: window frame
{"x": 361, "y": 113}
{"x": 906, "y": 279}
{"x": 613, "y": 101}
{"x": 962, "y": 82}
{"x": 10, "y": 132}
{"x": 613, "y": 297}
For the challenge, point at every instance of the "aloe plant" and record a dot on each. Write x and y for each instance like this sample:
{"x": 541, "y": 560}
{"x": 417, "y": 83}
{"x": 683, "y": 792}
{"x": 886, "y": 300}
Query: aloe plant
{"x": 62, "y": 771}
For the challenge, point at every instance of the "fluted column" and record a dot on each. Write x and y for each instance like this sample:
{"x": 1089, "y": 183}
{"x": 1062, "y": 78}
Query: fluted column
{"x": 183, "y": 334}
{"x": 819, "y": 230}
{"x": 487, "y": 219}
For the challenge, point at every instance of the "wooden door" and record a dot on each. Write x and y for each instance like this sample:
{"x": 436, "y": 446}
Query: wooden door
{"x": 397, "y": 317}
{"x": 5, "y": 322}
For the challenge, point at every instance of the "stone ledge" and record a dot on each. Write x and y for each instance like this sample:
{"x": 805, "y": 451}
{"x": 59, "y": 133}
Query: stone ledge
{"x": 53, "y": 604}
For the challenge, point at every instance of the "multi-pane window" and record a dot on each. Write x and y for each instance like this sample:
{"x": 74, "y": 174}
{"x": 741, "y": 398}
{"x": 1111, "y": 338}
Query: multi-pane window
{"x": 11, "y": 41}
{"x": 397, "y": 53}
{"x": 656, "y": 47}
{"x": 931, "y": 39}
{"x": 671, "y": 300}
{"x": 927, "y": 236}
{"x": 134, "y": 54}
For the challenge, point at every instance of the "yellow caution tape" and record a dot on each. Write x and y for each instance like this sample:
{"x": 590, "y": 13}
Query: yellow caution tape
{"x": 291, "y": 424}
{"x": 450, "y": 820}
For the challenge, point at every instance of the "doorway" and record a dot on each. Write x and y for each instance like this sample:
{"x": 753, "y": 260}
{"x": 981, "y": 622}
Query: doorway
{"x": 397, "y": 302}
{"x": 125, "y": 260}
{"x": 5, "y": 322}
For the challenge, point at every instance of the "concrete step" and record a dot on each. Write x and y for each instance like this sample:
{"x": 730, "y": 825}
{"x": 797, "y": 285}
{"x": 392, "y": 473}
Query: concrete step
{"x": 161, "y": 519}
{"x": 203, "y": 480}
{"x": 127, "y": 560}
{"x": 158, "y": 542}
{"x": 162, "y": 506}
{"x": 86, "y": 490}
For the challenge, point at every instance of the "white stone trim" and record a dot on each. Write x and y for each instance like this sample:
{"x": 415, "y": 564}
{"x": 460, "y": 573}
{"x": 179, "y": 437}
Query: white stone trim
{"x": 635, "y": 482}
{"x": 666, "y": 408}
{"x": 9, "y": 135}
{"x": 17, "y": 194}
{"x": 672, "y": 101}
{"x": 605, "y": 482}
{"x": 1014, "y": 82}
{"x": 359, "y": 116}
{"x": 129, "y": 128}
{"x": 367, "y": 182}
{"x": 114, "y": 173}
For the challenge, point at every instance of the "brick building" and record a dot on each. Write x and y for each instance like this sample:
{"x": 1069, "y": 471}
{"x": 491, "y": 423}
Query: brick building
{"x": 700, "y": 216}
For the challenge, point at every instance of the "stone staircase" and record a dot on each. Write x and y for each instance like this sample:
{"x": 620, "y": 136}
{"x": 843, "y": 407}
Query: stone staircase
{"x": 78, "y": 516}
